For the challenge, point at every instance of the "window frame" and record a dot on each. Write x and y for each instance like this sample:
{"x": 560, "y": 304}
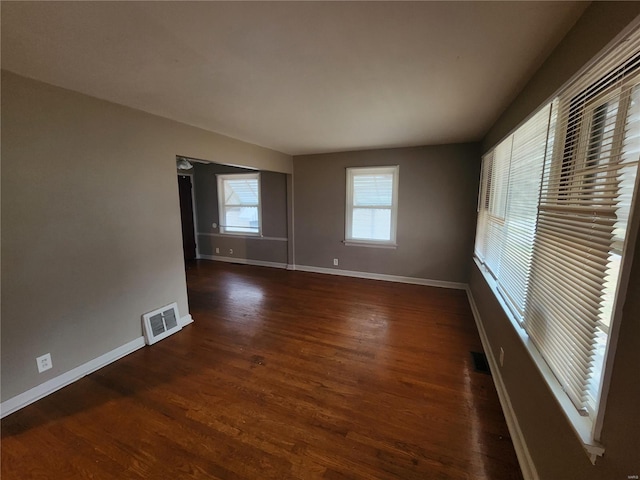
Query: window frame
{"x": 351, "y": 173}
{"x": 222, "y": 205}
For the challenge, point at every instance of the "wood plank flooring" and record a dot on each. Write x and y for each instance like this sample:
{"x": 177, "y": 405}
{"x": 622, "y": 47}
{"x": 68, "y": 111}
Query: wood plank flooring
{"x": 283, "y": 375}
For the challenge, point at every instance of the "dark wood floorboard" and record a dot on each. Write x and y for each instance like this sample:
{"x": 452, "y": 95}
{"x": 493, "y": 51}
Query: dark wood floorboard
{"x": 283, "y": 375}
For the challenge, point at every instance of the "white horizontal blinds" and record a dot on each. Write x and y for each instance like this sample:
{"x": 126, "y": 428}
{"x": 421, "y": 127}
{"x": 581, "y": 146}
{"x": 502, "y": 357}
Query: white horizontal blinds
{"x": 372, "y": 203}
{"x": 499, "y": 183}
{"x": 527, "y": 160}
{"x": 584, "y": 205}
{"x": 483, "y": 206}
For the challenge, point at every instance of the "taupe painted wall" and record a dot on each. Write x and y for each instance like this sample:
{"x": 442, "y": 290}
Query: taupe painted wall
{"x": 90, "y": 223}
{"x": 272, "y": 247}
{"x": 554, "y": 447}
{"x": 437, "y": 198}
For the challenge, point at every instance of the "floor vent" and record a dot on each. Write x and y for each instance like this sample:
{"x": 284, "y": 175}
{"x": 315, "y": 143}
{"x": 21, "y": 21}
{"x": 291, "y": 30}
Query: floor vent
{"x": 161, "y": 323}
{"x": 480, "y": 363}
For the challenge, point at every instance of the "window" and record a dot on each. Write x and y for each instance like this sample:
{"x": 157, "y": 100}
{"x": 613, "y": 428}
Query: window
{"x": 372, "y": 205}
{"x": 582, "y": 225}
{"x": 239, "y": 204}
{"x": 497, "y": 175}
{"x": 552, "y": 230}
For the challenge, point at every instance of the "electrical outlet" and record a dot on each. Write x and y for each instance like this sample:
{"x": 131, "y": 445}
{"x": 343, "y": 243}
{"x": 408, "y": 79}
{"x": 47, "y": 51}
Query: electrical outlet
{"x": 214, "y": 225}
{"x": 335, "y": 262}
{"x": 217, "y": 250}
{"x": 231, "y": 251}
{"x": 44, "y": 362}
{"x": 501, "y": 357}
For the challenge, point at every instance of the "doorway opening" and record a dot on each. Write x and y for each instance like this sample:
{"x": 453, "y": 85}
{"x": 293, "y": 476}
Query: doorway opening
{"x": 187, "y": 216}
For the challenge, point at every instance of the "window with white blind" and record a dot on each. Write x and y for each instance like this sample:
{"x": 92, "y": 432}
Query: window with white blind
{"x": 529, "y": 146}
{"x": 498, "y": 178}
{"x": 372, "y": 205}
{"x": 582, "y": 226}
{"x": 552, "y": 230}
{"x": 239, "y": 203}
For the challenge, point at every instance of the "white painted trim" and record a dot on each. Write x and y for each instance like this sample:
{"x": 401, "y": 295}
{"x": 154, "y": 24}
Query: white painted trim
{"x": 355, "y": 243}
{"x": 244, "y": 261}
{"x": 381, "y": 276}
{"x": 186, "y": 320}
{"x": 36, "y": 393}
{"x": 251, "y": 237}
{"x": 527, "y": 466}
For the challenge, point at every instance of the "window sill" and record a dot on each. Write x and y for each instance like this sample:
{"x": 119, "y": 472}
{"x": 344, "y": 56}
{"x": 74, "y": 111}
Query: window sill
{"x": 240, "y": 234}
{"x": 364, "y": 243}
{"x": 243, "y": 235}
{"x": 582, "y": 426}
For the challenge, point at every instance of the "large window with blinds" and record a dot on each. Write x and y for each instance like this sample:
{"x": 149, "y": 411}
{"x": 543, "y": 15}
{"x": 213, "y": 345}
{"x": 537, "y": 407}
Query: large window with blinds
{"x": 239, "y": 204}
{"x": 372, "y": 205}
{"x": 556, "y": 201}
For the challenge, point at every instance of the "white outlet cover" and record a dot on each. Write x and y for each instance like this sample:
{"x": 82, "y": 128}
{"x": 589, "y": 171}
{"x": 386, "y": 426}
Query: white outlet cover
{"x": 44, "y": 363}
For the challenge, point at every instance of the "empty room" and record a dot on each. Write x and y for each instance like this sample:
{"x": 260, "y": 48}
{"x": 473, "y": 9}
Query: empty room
{"x": 320, "y": 240}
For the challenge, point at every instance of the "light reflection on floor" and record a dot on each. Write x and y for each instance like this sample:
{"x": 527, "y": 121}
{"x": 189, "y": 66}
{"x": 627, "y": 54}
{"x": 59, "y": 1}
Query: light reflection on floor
{"x": 238, "y": 291}
{"x": 475, "y": 439}
{"x": 246, "y": 301}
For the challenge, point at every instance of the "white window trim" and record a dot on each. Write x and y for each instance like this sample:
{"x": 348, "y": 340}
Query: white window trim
{"x": 348, "y": 240}
{"x": 221, "y": 205}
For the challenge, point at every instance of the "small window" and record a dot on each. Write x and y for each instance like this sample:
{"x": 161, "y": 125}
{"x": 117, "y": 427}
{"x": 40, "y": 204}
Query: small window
{"x": 239, "y": 204}
{"x": 372, "y": 205}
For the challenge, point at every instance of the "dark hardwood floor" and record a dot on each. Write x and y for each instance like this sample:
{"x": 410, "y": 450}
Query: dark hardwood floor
{"x": 282, "y": 375}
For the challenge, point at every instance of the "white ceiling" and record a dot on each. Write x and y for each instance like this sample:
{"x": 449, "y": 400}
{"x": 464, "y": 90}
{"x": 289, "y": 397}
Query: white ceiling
{"x": 297, "y": 77}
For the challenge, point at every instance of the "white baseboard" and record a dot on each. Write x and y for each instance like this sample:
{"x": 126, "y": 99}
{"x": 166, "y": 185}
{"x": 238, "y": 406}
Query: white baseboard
{"x": 244, "y": 261}
{"x": 186, "y": 320}
{"x": 381, "y": 276}
{"x": 36, "y": 393}
{"x": 527, "y": 466}
{"x": 344, "y": 273}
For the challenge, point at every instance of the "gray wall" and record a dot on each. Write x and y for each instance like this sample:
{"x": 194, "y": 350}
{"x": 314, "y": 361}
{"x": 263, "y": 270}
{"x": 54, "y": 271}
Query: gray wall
{"x": 600, "y": 23}
{"x": 554, "y": 447}
{"x": 272, "y": 246}
{"x": 437, "y": 197}
{"x": 90, "y": 223}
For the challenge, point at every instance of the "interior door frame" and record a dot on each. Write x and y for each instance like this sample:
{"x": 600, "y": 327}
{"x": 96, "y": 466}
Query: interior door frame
{"x": 193, "y": 210}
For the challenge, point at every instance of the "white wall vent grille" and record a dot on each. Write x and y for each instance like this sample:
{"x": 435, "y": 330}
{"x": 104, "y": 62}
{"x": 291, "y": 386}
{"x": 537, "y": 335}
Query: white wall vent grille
{"x": 161, "y": 323}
